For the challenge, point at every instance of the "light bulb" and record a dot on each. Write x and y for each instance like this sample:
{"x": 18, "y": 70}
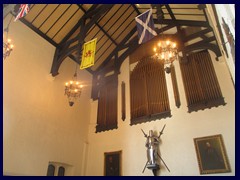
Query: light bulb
{"x": 154, "y": 49}
{"x": 71, "y": 82}
{"x": 162, "y": 56}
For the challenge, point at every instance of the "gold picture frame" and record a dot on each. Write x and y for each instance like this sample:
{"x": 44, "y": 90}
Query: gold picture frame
{"x": 211, "y": 155}
{"x": 112, "y": 163}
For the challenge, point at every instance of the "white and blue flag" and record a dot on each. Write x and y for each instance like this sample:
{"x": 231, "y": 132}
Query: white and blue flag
{"x": 145, "y": 26}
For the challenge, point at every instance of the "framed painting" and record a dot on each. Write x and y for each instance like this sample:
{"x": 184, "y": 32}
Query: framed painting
{"x": 211, "y": 154}
{"x": 112, "y": 163}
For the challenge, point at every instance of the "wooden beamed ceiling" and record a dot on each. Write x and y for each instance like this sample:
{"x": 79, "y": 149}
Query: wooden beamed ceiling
{"x": 69, "y": 26}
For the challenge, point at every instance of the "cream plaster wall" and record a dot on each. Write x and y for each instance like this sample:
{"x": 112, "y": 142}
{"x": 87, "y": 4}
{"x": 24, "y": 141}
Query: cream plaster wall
{"x": 230, "y": 60}
{"x": 38, "y": 124}
{"x": 177, "y": 146}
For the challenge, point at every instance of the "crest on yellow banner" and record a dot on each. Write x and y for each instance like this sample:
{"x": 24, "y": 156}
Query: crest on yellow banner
{"x": 88, "y": 55}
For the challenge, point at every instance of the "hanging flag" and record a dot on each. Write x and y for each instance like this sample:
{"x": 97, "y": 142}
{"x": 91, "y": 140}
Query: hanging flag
{"x": 145, "y": 26}
{"x": 88, "y": 54}
{"x": 23, "y": 10}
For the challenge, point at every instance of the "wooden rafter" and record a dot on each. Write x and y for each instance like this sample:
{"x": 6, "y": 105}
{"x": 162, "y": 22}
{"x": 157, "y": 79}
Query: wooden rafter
{"x": 98, "y": 16}
{"x": 136, "y": 9}
{"x": 63, "y": 51}
{"x": 197, "y": 34}
{"x": 204, "y": 44}
{"x": 219, "y": 29}
{"x": 183, "y": 22}
{"x": 66, "y": 38}
{"x": 172, "y": 16}
{"x": 117, "y": 48}
{"x": 100, "y": 27}
{"x": 31, "y": 26}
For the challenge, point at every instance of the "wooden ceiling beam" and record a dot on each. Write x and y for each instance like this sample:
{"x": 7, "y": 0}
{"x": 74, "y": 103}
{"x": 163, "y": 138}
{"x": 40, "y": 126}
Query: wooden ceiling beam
{"x": 207, "y": 46}
{"x": 200, "y": 43}
{"x": 31, "y": 26}
{"x": 172, "y": 16}
{"x": 100, "y": 27}
{"x": 66, "y": 41}
{"x": 170, "y": 11}
{"x": 64, "y": 51}
{"x": 77, "y": 25}
{"x": 75, "y": 60}
{"x": 13, "y": 10}
{"x": 166, "y": 28}
{"x": 129, "y": 35}
{"x": 204, "y": 44}
{"x": 183, "y": 22}
{"x": 219, "y": 29}
{"x": 133, "y": 46}
{"x": 136, "y": 9}
{"x": 197, "y": 34}
{"x": 57, "y": 20}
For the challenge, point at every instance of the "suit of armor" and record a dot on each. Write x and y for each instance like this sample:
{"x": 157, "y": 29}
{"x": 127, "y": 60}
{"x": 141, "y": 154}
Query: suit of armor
{"x": 151, "y": 144}
{"x": 152, "y": 147}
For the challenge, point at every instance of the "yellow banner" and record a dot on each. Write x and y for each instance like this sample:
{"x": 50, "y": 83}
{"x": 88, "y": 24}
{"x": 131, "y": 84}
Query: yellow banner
{"x": 88, "y": 54}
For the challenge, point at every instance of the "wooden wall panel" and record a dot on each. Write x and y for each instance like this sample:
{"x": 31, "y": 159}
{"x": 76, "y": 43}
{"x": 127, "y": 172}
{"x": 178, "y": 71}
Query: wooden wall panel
{"x": 148, "y": 91}
{"x": 200, "y": 82}
{"x": 107, "y": 104}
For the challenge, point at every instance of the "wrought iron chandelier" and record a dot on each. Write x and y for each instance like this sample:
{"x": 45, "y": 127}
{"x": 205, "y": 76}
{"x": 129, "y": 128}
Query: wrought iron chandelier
{"x": 73, "y": 89}
{"x": 166, "y": 51}
{"x": 7, "y": 46}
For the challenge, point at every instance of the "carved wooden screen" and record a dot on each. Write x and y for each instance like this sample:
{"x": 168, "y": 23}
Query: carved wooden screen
{"x": 107, "y": 104}
{"x": 148, "y": 91}
{"x": 200, "y": 82}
